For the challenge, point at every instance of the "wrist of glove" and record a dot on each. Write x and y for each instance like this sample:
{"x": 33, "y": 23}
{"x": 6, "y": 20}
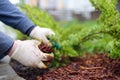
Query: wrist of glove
{"x": 27, "y": 53}
{"x": 41, "y": 34}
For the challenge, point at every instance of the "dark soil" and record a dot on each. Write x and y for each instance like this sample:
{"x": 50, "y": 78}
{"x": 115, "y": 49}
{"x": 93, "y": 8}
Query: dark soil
{"x": 93, "y": 67}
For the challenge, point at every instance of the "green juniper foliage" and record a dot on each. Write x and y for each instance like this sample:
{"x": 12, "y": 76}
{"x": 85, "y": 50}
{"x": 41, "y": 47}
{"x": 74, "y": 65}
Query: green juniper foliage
{"x": 110, "y": 20}
{"x": 70, "y": 41}
{"x": 76, "y": 38}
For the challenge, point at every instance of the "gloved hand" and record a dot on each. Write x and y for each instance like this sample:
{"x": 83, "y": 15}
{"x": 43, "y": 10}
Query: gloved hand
{"x": 41, "y": 34}
{"x": 27, "y": 53}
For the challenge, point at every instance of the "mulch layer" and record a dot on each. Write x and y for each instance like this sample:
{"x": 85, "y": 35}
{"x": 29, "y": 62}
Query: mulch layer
{"x": 93, "y": 67}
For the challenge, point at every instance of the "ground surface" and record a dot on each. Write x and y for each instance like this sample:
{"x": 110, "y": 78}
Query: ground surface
{"x": 97, "y": 67}
{"x": 6, "y": 72}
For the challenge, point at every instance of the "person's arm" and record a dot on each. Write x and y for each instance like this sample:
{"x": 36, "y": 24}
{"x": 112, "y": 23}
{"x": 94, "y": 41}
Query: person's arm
{"x": 5, "y": 44}
{"x": 18, "y": 50}
{"x": 12, "y": 16}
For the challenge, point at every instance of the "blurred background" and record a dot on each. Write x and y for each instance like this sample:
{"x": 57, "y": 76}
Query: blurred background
{"x": 64, "y": 9}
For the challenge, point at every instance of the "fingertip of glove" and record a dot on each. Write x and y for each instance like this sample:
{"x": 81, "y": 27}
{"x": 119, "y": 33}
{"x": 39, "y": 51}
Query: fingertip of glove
{"x": 41, "y": 65}
{"x": 49, "y": 56}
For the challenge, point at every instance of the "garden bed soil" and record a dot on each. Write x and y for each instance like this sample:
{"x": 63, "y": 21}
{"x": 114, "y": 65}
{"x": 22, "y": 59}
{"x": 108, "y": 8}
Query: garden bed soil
{"x": 93, "y": 67}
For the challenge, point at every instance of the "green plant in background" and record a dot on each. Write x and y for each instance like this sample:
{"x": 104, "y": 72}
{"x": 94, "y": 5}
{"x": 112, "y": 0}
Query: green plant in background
{"x": 40, "y": 17}
{"x": 76, "y": 38}
{"x": 110, "y": 21}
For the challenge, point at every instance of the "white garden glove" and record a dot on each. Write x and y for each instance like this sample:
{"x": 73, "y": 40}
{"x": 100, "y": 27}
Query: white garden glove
{"x": 41, "y": 34}
{"x": 27, "y": 53}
